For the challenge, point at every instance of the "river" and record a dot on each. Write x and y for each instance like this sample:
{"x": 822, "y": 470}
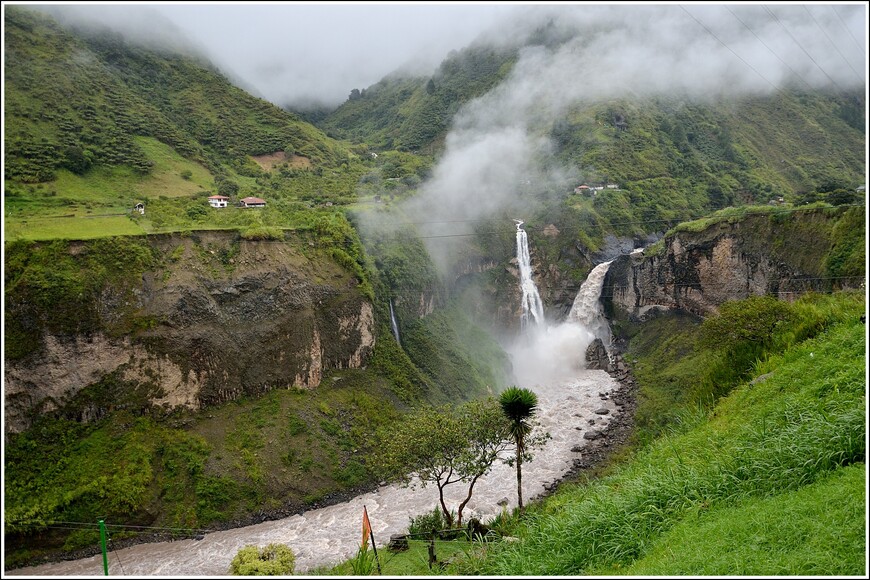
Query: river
{"x": 330, "y": 535}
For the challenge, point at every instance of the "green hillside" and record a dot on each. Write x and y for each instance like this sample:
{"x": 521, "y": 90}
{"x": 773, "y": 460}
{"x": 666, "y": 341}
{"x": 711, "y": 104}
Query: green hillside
{"x": 411, "y": 114}
{"x": 670, "y": 158}
{"x": 95, "y": 124}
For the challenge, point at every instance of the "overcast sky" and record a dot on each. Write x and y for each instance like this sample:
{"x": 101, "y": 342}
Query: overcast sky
{"x": 293, "y": 53}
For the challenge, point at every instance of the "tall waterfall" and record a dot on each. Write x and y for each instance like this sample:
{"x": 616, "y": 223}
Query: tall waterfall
{"x": 393, "y": 323}
{"x": 586, "y": 309}
{"x": 533, "y": 308}
{"x": 557, "y": 352}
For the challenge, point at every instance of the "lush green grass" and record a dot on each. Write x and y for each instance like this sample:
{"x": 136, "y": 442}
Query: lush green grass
{"x": 683, "y": 366}
{"x": 818, "y": 530}
{"x": 72, "y": 228}
{"x": 412, "y": 562}
{"x": 761, "y": 445}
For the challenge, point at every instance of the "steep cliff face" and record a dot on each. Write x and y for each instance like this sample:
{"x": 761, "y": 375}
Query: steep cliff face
{"x": 784, "y": 254}
{"x": 214, "y": 317}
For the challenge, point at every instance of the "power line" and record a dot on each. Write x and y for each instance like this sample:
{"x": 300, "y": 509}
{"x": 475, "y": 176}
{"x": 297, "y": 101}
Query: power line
{"x": 701, "y": 285}
{"x": 794, "y": 72}
{"x": 843, "y": 22}
{"x": 729, "y": 48}
{"x": 825, "y": 32}
{"x": 802, "y": 48}
{"x": 85, "y": 525}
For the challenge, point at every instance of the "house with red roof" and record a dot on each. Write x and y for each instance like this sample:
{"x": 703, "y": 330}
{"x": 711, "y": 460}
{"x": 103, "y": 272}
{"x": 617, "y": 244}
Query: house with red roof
{"x": 252, "y": 202}
{"x": 218, "y": 200}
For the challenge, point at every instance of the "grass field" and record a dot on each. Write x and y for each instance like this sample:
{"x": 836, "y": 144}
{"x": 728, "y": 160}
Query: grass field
{"x": 100, "y": 202}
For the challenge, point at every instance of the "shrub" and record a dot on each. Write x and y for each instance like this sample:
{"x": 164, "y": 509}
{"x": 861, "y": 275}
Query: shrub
{"x": 273, "y": 560}
{"x": 428, "y": 522}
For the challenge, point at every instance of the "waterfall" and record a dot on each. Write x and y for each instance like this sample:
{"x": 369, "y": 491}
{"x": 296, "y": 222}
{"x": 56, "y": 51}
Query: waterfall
{"x": 558, "y": 352}
{"x": 533, "y": 308}
{"x": 587, "y": 310}
{"x": 393, "y": 323}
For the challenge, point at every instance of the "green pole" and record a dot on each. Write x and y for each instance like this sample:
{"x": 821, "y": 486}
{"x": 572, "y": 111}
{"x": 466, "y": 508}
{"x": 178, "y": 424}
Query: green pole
{"x": 103, "y": 543}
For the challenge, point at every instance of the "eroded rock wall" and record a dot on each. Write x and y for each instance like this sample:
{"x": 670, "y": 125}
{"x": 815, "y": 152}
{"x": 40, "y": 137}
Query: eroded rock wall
{"x": 698, "y": 271}
{"x": 223, "y": 317}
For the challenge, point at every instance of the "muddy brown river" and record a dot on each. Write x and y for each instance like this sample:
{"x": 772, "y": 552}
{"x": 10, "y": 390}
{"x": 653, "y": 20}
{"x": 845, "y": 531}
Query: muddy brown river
{"x": 330, "y": 535}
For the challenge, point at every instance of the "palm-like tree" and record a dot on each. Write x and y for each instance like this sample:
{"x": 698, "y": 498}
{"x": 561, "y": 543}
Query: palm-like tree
{"x": 519, "y": 405}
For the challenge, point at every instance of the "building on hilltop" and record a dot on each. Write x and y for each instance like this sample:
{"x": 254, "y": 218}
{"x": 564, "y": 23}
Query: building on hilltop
{"x": 252, "y": 202}
{"x": 218, "y": 200}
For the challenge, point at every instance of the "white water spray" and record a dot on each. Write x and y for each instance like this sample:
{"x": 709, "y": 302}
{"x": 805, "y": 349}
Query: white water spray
{"x": 587, "y": 310}
{"x": 554, "y": 353}
{"x": 393, "y": 323}
{"x": 533, "y": 307}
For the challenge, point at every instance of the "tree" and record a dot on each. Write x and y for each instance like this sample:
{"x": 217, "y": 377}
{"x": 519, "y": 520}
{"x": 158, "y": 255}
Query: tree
{"x": 273, "y": 560}
{"x": 519, "y": 405}
{"x": 488, "y": 436}
{"x": 444, "y": 446}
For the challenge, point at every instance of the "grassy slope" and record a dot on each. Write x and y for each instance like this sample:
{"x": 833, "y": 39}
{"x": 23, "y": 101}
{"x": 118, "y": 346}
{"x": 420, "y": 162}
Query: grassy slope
{"x": 780, "y": 445}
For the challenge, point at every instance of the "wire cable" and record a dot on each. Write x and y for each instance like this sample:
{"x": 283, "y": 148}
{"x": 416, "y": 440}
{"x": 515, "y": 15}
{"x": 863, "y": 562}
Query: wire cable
{"x": 843, "y": 22}
{"x": 711, "y": 33}
{"x": 118, "y": 558}
{"x": 824, "y": 72}
{"x": 825, "y": 32}
{"x": 794, "y": 72}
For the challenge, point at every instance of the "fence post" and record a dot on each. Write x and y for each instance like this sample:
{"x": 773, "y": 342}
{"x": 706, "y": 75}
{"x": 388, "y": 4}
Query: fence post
{"x": 432, "y": 558}
{"x": 103, "y": 544}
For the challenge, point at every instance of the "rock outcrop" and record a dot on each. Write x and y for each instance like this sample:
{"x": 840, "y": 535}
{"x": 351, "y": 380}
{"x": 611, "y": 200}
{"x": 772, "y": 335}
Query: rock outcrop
{"x": 268, "y": 317}
{"x": 697, "y": 271}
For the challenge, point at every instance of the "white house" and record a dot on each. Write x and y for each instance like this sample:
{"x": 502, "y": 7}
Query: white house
{"x": 218, "y": 200}
{"x": 252, "y": 202}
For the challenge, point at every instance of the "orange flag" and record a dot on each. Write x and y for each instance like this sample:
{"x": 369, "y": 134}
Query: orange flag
{"x": 366, "y": 529}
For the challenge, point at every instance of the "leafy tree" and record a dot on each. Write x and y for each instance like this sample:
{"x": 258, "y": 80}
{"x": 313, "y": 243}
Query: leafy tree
{"x": 78, "y": 160}
{"x": 226, "y": 187}
{"x": 444, "y": 447}
{"x": 273, "y": 560}
{"x": 519, "y": 405}
{"x": 841, "y": 196}
{"x": 487, "y": 437}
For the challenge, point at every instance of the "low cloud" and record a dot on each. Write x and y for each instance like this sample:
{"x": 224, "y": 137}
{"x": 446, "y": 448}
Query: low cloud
{"x": 496, "y": 148}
